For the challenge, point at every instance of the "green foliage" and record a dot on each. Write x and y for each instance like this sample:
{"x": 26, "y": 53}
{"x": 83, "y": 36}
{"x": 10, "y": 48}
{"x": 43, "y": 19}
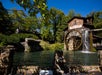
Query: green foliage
{"x": 11, "y": 39}
{"x": 56, "y": 17}
{"x": 5, "y": 21}
{"x": 47, "y": 46}
{"x": 97, "y": 19}
{"x": 93, "y": 49}
{"x": 97, "y": 22}
{"x": 33, "y": 6}
{"x": 17, "y": 18}
{"x": 2, "y": 40}
{"x": 23, "y": 22}
{"x": 45, "y": 30}
{"x": 30, "y": 24}
{"x": 50, "y": 24}
{"x": 15, "y": 38}
{"x": 46, "y": 34}
{"x": 24, "y": 35}
{"x": 1, "y": 44}
{"x": 57, "y": 46}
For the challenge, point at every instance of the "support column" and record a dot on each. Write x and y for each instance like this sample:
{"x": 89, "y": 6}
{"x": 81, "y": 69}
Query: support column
{"x": 100, "y": 58}
{"x": 91, "y": 41}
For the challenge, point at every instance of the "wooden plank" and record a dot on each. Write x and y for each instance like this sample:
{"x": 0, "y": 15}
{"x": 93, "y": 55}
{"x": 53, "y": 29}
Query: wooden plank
{"x": 96, "y": 29}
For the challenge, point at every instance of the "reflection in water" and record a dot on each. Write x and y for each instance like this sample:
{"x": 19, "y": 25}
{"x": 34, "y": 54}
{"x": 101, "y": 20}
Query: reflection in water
{"x": 40, "y": 58}
{"x": 79, "y": 58}
{"x": 45, "y": 58}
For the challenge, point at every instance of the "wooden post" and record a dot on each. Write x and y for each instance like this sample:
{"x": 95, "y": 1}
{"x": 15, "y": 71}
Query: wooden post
{"x": 100, "y": 58}
{"x": 91, "y": 41}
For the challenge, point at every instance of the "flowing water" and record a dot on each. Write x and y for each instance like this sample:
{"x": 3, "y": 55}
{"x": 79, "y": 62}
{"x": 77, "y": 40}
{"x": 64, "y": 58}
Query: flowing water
{"x": 86, "y": 41}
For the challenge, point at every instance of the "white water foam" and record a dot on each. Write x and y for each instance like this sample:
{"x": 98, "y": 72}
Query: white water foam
{"x": 86, "y": 52}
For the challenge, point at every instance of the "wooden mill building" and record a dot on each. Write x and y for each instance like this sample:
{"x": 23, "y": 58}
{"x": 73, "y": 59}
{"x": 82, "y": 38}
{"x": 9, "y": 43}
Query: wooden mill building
{"x": 73, "y": 33}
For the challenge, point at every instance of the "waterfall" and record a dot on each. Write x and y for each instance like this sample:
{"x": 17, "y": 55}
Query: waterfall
{"x": 86, "y": 40}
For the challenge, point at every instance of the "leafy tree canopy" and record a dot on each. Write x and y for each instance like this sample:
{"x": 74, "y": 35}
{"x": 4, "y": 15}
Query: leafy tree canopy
{"x": 33, "y": 6}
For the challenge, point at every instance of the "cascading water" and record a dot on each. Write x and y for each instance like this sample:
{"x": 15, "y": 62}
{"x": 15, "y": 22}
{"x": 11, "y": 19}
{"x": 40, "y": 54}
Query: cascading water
{"x": 86, "y": 41}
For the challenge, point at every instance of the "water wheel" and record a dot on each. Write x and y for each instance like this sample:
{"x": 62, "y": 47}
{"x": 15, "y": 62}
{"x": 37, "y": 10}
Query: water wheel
{"x": 73, "y": 39}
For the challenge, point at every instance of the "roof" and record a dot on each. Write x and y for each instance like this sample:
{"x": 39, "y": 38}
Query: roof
{"x": 84, "y": 18}
{"x": 76, "y": 17}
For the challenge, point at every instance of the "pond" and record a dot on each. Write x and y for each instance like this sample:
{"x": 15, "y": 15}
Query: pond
{"x": 46, "y": 58}
{"x": 40, "y": 58}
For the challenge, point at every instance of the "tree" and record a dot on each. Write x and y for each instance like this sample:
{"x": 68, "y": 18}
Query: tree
{"x": 70, "y": 15}
{"x": 33, "y": 6}
{"x": 97, "y": 22}
{"x": 17, "y": 18}
{"x": 55, "y": 19}
{"x": 5, "y": 21}
{"x": 45, "y": 29}
{"x": 30, "y": 24}
{"x": 98, "y": 19}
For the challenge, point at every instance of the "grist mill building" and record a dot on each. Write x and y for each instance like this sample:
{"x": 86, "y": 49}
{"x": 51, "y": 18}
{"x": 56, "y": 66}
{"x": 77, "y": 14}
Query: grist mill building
{"x": 78, "y": 32}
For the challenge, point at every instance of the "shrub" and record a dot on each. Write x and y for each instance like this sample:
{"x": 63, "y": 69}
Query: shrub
{"x": 2, "y": 40}
{"x": 56, "y": 46}
{"x": 12, "y": 39}
{"x": 15, "y": 38}
{"x": 93, "y": 49}
{"x": 47, "y": 46}
{"x": 22, "y": 36}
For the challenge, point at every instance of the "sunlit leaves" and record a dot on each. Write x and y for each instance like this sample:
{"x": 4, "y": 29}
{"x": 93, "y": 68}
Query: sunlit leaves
{"x": 5, "y": 21}
{"x": 56, "y": 21}
{"x": 97, "y": 19}
{"x": 22, "y": 2}
{"x": 33, "y": 6}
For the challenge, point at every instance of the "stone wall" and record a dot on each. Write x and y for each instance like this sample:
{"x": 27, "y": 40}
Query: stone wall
{"x": 27, "y": 70}
{"x": 6, "y": 60}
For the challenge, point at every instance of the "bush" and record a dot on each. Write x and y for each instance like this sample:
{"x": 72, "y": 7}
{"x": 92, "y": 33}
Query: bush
{"x": 57, "y": 46}
{"x": 2, "y": 40}
{"x": 2, "y": 37}
{"x": 15, "y": 38}
{"x": 93, "y": 49}
{"x": 22, "y": 36}
{"x": 47, "y": 46}
{"x": 12, "y": 39}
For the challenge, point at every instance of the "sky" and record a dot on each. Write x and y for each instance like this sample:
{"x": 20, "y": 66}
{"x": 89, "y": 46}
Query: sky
{"x": 82, "y": 7}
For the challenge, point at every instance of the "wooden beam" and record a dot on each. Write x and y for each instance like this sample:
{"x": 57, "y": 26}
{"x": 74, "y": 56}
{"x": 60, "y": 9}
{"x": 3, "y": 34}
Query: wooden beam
{"x": 96, "y": 29}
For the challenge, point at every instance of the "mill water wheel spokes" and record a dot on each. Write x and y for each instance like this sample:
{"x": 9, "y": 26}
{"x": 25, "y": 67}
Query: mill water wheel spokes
{"x": 73, "y": 39}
